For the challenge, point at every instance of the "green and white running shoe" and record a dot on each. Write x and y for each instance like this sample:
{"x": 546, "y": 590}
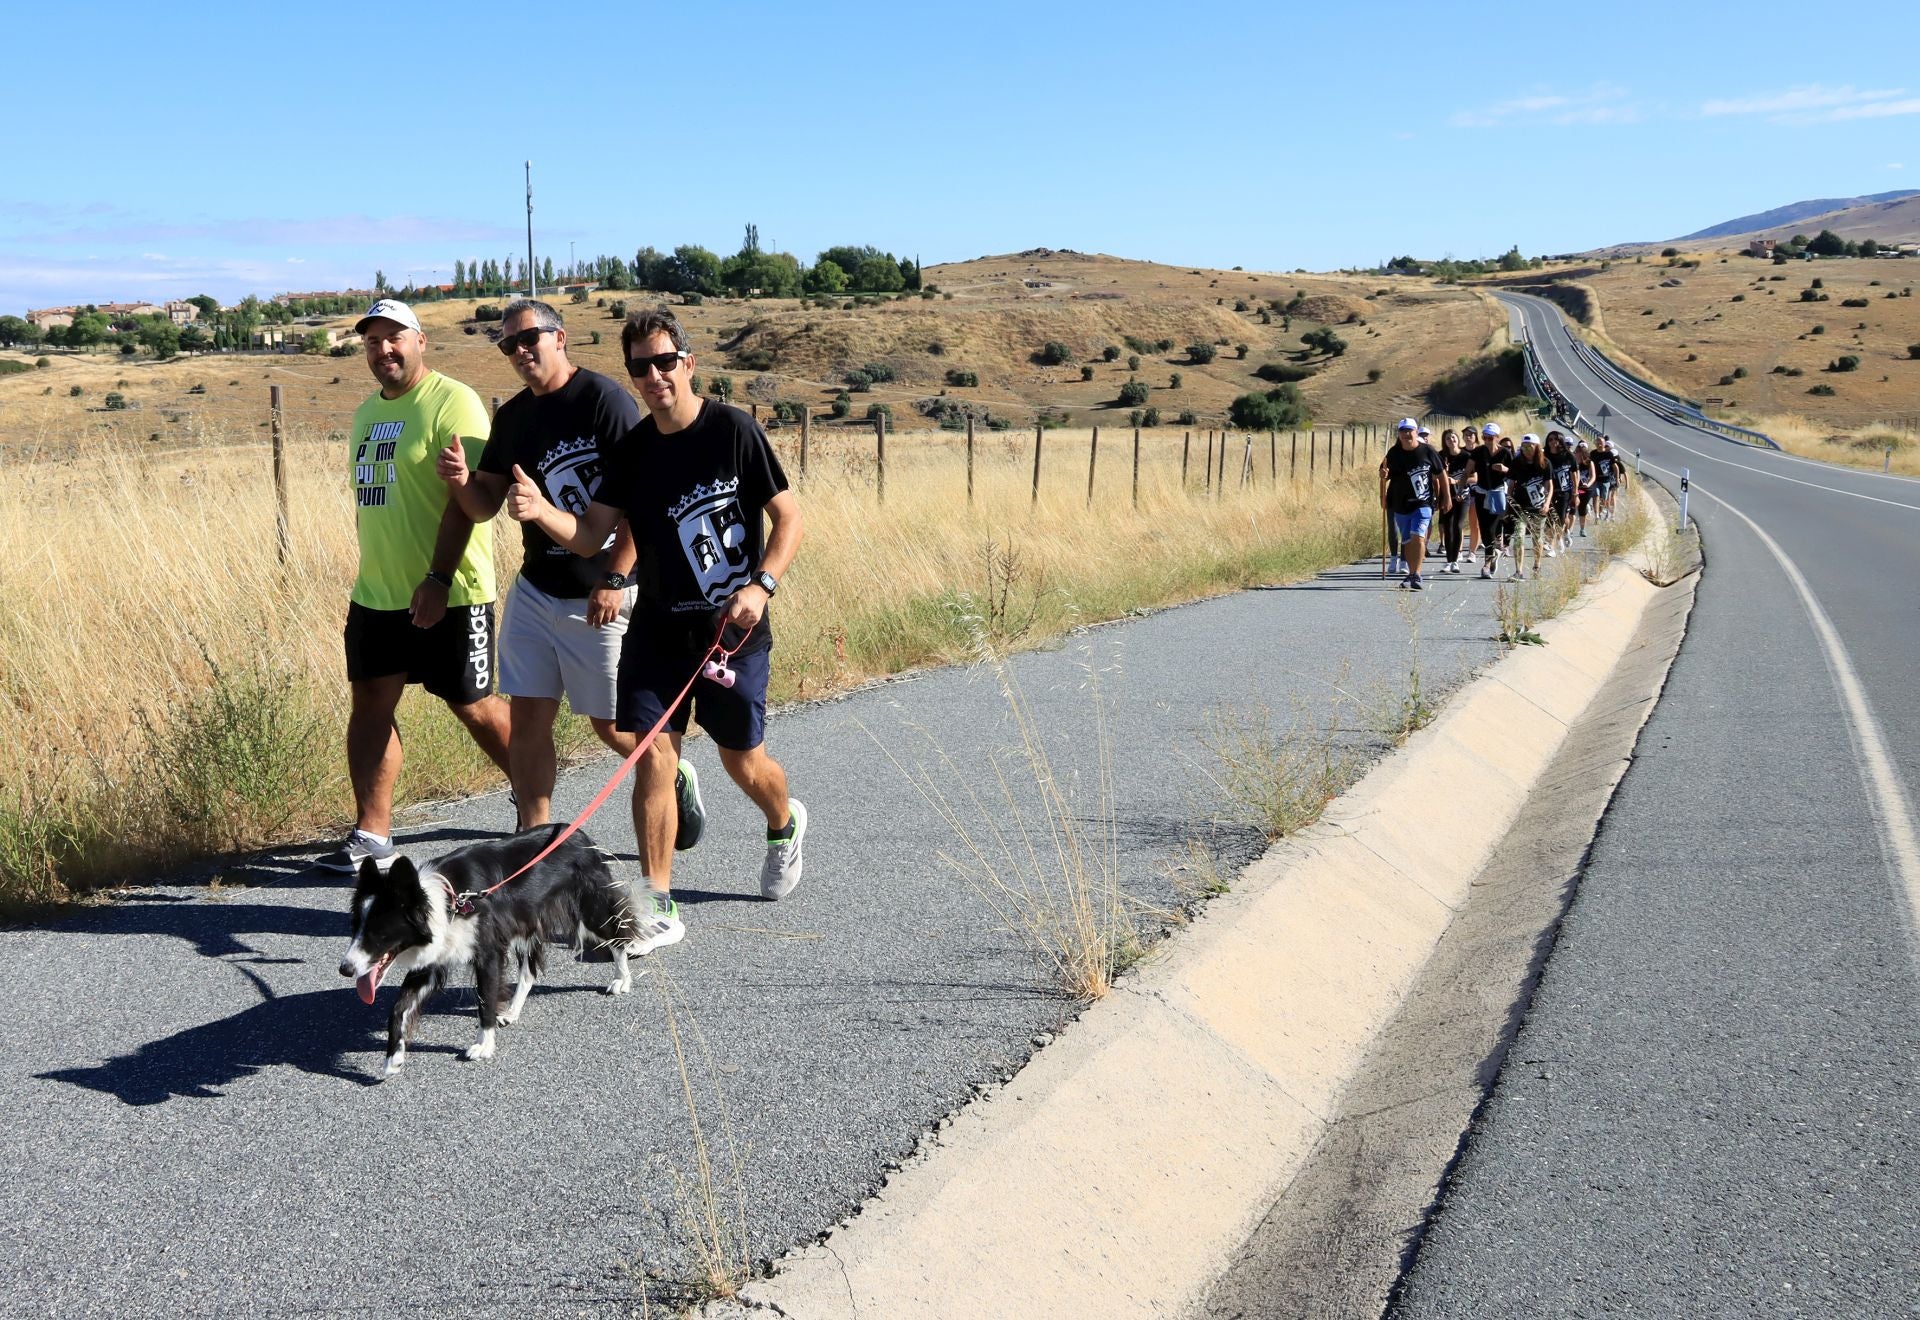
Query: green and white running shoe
{"x": 781, "y": 870}
{"x": 693, "y": 812}
{"x": 659, "y": 925}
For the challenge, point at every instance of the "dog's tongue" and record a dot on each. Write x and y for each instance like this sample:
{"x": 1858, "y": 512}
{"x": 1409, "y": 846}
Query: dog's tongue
{"x": 368, "y": 982}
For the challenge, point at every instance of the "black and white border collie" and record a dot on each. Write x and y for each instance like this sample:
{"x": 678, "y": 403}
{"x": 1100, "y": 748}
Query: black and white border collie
{"x": 432, "y": 922}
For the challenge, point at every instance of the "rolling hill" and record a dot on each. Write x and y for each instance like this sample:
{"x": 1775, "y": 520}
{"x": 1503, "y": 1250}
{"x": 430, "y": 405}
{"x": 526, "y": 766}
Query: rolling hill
{"x": 1793, "y": 213}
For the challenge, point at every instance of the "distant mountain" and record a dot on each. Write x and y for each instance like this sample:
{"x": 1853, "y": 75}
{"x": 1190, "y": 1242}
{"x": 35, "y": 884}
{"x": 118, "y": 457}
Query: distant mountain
{"x": 1793, "y": 213}
{"x": 1890, "y": 222}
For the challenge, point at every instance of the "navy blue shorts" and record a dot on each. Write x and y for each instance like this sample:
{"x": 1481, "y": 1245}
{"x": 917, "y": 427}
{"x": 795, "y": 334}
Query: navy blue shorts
{"x": 651, "y": 676}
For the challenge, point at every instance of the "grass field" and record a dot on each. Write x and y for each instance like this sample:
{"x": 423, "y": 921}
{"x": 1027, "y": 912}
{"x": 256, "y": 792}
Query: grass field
{"x": 169, "y": 691}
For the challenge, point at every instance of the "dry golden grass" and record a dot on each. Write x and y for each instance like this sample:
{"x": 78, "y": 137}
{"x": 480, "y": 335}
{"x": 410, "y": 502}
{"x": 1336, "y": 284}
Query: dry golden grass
{"x": 1711, "y": 335}
{"x": 168, "y": 688}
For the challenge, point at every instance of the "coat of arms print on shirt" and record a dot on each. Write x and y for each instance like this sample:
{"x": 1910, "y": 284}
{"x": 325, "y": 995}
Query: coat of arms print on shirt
{"x": 713, "y": 533}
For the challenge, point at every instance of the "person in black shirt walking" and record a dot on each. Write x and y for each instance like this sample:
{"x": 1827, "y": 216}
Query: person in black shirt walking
{"x": 695, "y": 479}
{"x": 1416, "y": 482}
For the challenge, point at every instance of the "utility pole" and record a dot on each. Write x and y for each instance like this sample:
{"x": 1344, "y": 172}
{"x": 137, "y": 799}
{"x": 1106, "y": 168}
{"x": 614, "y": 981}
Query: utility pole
{"x": 533, "y": 272}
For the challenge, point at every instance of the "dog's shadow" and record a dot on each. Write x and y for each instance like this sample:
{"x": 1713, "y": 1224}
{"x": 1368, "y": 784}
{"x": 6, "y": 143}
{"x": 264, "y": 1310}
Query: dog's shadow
{"x": 308, "y": 1031}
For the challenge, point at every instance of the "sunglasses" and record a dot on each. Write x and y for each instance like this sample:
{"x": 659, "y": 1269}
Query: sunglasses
{"x": 511, "y": 344}
{"x": 660, "y": 362}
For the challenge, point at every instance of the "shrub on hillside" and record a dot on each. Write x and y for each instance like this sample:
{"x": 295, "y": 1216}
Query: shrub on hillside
{"x": 1188, "y": 417}
{"x": 1240, "y": 351}
{"x": 1325, "y": 340}
{"x": 960, "y": 379}
{"x": 1913, "y": 351}
{"x": 1845, "y": 362}
{"x": 879, "y": 410}
{"x": 1133, "y": 362}
{"x": 1174, "y": 380}
{"x": 1824, "y": 391}
{"x": 1200, "y": 354}
{"x": 842, "y": 404}
{"x": 1086, "y": 373}
{"x": 857, "y": 381}
{"x": 1111, "y": 353}
{"x": 1279, "y": 408}
{"x": 1134, "y": 391}
{"x": 1151, "y": 417}
{"x": 1853, "y": 302}
{"x": 486, "y": 312}
{"x": 115, "y": 401}
{"x": 937, "y": 348}
{"x": 1053, "y": 354}
{"x": 722, "y": 388}
{"x": 878, "y": 372}
{"x": 1280, "y": 372}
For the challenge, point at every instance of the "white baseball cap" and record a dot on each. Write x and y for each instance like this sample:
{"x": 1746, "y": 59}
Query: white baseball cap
{"x": 391, "y": 309}
{"x": 1490, "y": 430}
{"x": 1529, "y": 439}
{"x": 1406, "y": 424}
{"x": 1425, "y": 431}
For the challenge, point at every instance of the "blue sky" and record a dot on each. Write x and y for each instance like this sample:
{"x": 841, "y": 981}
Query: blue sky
{"x": 227, "y": 149}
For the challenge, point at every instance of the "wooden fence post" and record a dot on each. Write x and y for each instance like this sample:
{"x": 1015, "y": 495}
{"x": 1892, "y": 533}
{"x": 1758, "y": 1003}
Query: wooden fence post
{"x": 880, "y": 453}
{"x": 756, "y": 411}
{"x": 1207, "y": 470}
{"x": 1246, "y": 462}
{"x": 1136, "y": 467}
{"x": 969, "y": 460}
{"x": 1036, "y": 461}
{"x": 806, "y": 434}
{"x": 1313, "y": 454}
{"x": 1220, "y": 488}
{"x": 281, "y": 539}
{"x": 1186, "y": 448}
{"x": 1293, "y": 460}
{"x": 1093, "y": 457}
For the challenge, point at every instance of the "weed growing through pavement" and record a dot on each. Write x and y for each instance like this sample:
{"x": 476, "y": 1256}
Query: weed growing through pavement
{"x": 1047, "y": 869}
{"x": 1413, "y": 710}
{"x": 712, "y": 1203}
{"x": 1282, "y": 780}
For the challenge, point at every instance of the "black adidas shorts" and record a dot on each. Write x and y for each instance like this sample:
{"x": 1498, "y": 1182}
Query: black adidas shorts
{"x": 453, "y": 659}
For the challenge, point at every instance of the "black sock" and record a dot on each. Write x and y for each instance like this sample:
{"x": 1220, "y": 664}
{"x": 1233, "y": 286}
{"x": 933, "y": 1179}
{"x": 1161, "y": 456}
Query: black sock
{"x": 782, "y": 834}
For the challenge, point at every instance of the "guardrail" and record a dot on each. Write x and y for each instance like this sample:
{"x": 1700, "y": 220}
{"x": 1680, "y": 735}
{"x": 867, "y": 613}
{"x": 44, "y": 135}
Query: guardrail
{"x": 1671, "y": 407}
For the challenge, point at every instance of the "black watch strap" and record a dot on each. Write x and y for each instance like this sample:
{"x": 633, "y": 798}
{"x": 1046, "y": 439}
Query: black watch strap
{"x": 766, "y": 581}
{"x": 614, "y": 581}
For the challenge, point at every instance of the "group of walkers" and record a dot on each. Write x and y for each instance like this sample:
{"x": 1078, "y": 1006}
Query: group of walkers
{"x": 651, "y": 534}
{"x": 1492, "y": 497}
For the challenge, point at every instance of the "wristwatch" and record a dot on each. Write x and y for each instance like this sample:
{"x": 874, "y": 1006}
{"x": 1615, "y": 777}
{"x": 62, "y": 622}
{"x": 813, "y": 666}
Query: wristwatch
{"x": 766, "y": 581}
{"x": 614, "y": 581}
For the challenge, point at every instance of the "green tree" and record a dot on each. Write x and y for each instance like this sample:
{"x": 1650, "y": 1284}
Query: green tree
{"x": 315, "y": 342}
{"x": 194, "y": 338}
{"x": 1512, "y": 260}
{"x": 826, "y": 277}
{"x": 18, "y": 330}
{"x": 157, "y": 335}
{"x": 692, "y": 269}
{"x": 209, "y": 307}
{"x": 546, "y": 273}
{"x": 879, "y": 274}
{"x": 87, "y": 329}
{"x": 1133, "y": 392}
{"x": 380, "y": 281}
{"x": 1200, "y": 353}
{"x": 1826, "y": 243}
{"x": 1869, "y": 247}
{"x": 650, "y": 269}
{"x": 459, "y": 278}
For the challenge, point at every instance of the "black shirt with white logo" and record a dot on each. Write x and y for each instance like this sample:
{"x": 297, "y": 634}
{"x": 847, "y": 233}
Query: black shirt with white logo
{"x": 1413, "y": 478}
{"x": 1603, "y": 461}
{"x": 560, "y": 440}
{"x": 696, "y": 500}
{"x": 1528, "y": 483}
{"x": 1562, "y": 465}
{"x": 1484, "y": 459}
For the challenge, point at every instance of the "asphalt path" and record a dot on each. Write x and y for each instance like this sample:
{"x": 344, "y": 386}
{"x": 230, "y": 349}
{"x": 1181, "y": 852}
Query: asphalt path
{"x": 190, "y": 1097}
{"x": 1713, "y": 1104}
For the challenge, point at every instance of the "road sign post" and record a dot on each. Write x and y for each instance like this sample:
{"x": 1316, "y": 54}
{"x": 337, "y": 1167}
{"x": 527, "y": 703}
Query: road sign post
{"x": 1686, "y": 480}
{"x": 1638, "y": 468}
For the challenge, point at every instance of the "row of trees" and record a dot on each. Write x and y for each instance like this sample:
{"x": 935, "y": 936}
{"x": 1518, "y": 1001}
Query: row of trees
{"x": 1826, "y": 243}
{"x": 1447, "y": 268}
{"x": 692, "y": 269}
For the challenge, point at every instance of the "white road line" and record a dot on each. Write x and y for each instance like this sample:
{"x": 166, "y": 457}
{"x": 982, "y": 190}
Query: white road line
{"x": 1876, "y": 766}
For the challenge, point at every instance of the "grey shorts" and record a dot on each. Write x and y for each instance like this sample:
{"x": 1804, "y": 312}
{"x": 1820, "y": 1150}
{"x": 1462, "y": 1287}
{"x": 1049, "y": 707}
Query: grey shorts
{"x": 548, "y": 650}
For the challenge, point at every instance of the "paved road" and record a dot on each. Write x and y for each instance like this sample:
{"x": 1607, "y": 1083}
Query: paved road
{"x": 1713, "y": 1105}
{"x": 192, "y": 1122}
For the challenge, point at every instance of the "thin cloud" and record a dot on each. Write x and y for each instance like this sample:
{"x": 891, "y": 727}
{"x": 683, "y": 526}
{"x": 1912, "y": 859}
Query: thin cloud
{"x": 342, "y": 231}
{"x": 1816, "y": 103}
{"x": 1602, "y": 104}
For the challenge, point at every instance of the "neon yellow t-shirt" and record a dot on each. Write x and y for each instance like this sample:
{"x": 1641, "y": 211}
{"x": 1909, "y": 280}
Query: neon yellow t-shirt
{"x": 399, "y": 498}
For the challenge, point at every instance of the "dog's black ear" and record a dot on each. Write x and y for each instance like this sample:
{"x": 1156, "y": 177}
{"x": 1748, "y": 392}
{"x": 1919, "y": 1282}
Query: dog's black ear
{"x": 402, "y": 872}
{"x": 369, "y": 873}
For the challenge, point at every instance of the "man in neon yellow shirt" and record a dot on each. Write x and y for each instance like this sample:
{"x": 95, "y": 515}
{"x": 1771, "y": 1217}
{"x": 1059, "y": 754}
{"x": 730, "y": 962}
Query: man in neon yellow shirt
{"x": 422, "y": 604}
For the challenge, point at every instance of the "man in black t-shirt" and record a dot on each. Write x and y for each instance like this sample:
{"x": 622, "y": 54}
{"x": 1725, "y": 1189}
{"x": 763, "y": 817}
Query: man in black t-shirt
{"x": 564, "y": 622}
{"x": 1415, "y": 484}
{"x": 1607, "y": 477}
{"x": 694, "y": 480}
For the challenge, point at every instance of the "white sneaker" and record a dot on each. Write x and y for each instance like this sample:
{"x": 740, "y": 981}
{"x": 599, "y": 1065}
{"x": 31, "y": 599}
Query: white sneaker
{"x": 659, "y": 925}
{"x": 1553, "y": 552}
{"x": 359, "y": 846}
{"x": 780, "y": 872}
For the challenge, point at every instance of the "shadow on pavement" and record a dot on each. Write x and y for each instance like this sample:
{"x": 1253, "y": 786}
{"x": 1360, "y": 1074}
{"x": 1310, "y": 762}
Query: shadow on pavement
{"x": 313, "y": 1032}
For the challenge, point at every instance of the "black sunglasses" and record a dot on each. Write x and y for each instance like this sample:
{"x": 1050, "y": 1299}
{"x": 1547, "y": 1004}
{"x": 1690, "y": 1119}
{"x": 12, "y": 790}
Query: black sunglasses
{"x": 660, "y": 362}
{"x": 510, "y": 344}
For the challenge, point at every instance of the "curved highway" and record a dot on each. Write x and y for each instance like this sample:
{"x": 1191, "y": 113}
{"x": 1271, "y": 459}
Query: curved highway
{"x": 1712, "y": 1106}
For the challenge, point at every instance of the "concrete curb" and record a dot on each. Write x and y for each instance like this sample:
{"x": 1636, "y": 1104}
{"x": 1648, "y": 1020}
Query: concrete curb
{"x": 1118, "y": 1172}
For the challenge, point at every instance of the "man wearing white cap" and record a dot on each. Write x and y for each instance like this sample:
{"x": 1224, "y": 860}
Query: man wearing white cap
{"x": 1415, "y": 483}
{"x": 421, "y": 609}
